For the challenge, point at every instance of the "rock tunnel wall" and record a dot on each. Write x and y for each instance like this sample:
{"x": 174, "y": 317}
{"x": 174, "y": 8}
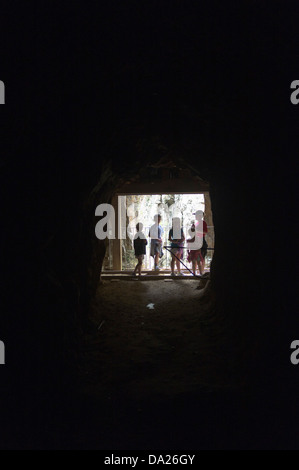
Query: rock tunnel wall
{"x": 76, "y": 172}
{"x": 71, "y": 132}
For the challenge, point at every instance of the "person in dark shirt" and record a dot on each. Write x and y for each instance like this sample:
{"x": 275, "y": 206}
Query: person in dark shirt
{"x": 139, "y": 243}
{"x": 201, "y": 229}
{"x": 176, "y": 246}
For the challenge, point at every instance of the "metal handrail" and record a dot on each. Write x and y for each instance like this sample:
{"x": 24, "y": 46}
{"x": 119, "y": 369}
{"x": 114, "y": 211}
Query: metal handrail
{"x": 165, "y": 246}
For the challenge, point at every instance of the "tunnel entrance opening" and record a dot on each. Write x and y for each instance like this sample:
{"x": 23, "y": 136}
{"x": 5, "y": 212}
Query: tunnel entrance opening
{"x": 120, "y": 257}
{"x": 153, "y": 343}
{"x": 149, "y": 331}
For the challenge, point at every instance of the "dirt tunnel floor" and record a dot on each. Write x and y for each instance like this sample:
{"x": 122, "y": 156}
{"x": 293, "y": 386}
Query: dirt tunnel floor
{"x": 155, "y": 338}
{"x": 169, "y": 378}
{"x": 142, "y": 370}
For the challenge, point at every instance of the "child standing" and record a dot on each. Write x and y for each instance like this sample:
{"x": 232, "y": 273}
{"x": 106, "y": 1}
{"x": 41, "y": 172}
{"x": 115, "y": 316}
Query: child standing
{"x": 155, "y": 233}
{"x": 194, "y": 255}
{"x": 140, "y": 243}
{"x": 197, "y": 233}
{"x": 176, "y": 246}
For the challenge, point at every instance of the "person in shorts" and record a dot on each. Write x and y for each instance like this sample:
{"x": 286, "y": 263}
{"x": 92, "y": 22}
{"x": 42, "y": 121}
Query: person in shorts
{"x": 176, "y": 246}
{"x": 198, "y": 251}
{"x": 155, "y": 233}
{"x": 193, "y": 256}
{"x": 139, "y": 243}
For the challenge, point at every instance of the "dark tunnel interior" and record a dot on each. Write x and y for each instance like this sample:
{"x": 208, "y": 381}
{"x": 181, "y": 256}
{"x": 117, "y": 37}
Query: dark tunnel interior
{"x": 90, "y": 103}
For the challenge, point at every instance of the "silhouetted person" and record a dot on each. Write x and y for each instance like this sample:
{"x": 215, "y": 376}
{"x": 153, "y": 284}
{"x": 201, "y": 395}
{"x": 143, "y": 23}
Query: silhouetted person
{"x": 155, "y": 233}
{"x": 197, "y": 234}
{"x": 139, "y": 243}
{"x": 176, "y": 246}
